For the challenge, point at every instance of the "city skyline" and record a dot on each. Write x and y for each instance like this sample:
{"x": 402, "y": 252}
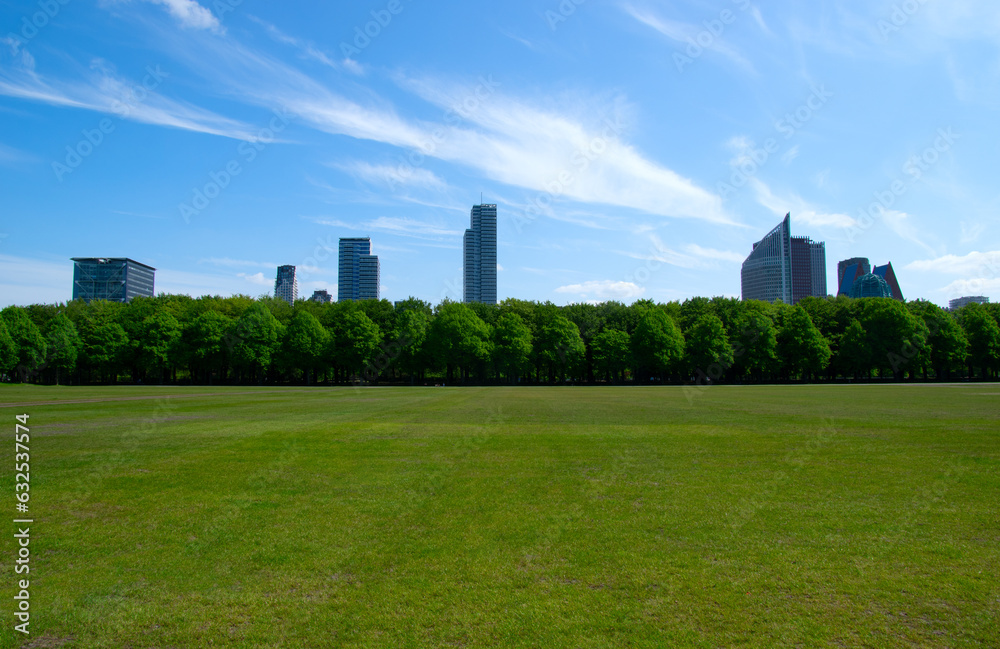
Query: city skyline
{"x": 218, "y": 142}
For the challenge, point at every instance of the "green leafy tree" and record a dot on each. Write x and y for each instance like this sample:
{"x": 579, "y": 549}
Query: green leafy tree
{"x": 356, "y": 341}
{"x": 253, "y": 341}
{"x": 157, "y": 344}
{"x": 895, "y": 336}
{"x": 458, "y": 338}
{"x": 984, "y": 339}
{"x": 854, "y": 355}
{"x": 612, "y": 354}
{"x": 657, "y": 345}
{"x": 64, "y": 345}
{"x": 708, "y": 350}
{"x": 561, "y": 346}
{"x": 304, "y": 345}
{"x": 204, "y": 345}
{"x": 28, "y": 340}
{"x": 8, "y": 350}
{"x": 801, "y": 346}
{"x": 755, "y": 347}
{"x": 512, "y": 346}
{"x": 105, "y": 345}
{"x": 412, "y": 330}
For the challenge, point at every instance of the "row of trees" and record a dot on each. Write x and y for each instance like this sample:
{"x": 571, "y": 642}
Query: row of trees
{"x": 238, "y": 339}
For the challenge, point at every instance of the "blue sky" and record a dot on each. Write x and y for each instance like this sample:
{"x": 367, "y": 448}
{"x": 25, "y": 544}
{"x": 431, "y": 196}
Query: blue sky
{"x": 636, "y": 149}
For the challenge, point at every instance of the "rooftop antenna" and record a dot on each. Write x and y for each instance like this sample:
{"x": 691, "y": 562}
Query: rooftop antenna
{"x": 480, "y": 198}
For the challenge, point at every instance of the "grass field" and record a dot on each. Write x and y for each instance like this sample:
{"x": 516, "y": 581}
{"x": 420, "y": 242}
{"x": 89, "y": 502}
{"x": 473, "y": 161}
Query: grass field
{"x": 799, "y": 516}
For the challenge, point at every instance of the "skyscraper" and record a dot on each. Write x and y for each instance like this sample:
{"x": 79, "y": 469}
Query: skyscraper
{"x": 358, "y": 272}
{"x": 850, "y": 272}
{"x": 116, "y": 279}
{"x": 783, "y": 267}
{"x": 767, "y": 273}
{"x": 286, "y": 287}
{"x": 480, "y": 255}
{"x": 808, "y": 268}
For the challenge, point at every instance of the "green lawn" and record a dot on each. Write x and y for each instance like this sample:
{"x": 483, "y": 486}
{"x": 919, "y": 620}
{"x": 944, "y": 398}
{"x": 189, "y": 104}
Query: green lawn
{"x": 800, "y": 516}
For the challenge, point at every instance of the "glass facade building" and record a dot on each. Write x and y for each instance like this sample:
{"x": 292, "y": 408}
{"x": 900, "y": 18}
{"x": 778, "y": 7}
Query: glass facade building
{"x": 116, "y": 279}
{"x": 851, "y": 271}
{"x": 286, "y": 286}
{"x": 767, "y": 273}
{"x": 480, "y": 256}
{"x": 358, "y": 272}
{"x": 783, "y": 267}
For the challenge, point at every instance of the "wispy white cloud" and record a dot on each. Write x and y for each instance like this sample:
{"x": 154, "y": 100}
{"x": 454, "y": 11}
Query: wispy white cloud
{"x": 802, "y": 211}
{"x": 25, "y": 281}
{"x": 11, "y": 156}
{"x": 226, "y": 262}
{"x": 974, "y": 263}
{"x": 691, "y": 256}
{"x": 687, "y": 34}
{"x": 307, "y": 49}
{"x": 559, "y": 154}
{"x": 505, "y": 139}
{"x": 980, "y": 286}
{"x": 402, "y": 226}
{"x": 256, "y": 279}
{"x": 604, "y": 290}
{"x": 190, "y": 14}
{"x": 902, "y": 225}
{"x": 104, "y": 91}
{"x": 972, "y": 231}
{"x": 394, "y": 176}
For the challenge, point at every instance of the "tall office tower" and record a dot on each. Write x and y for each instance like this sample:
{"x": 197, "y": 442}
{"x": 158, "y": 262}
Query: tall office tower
{"x": 861, "y": 267}
{"x": 767, "y": 273}
{"x": 783, "y": 267}
{"x": 358, "y": 272}
{"x": 808, "y": 268}
{"x": 959, "y": 302}
{"x": 480, "y": 249}
{"x": 286, "y": 287}
{"x": 116, "y": 279}
{"x": 817, "y": 256}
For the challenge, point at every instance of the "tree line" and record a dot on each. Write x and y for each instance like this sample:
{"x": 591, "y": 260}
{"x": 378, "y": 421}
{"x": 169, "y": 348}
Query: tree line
{"x": 241, "y": 340}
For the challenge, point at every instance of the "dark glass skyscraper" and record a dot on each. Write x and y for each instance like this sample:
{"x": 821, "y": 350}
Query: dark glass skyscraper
{"x": 358, "y": 270}
{"x": 767, "y": 273}
{"x": 783, "y": 267}
{"x": 116, "y": 279}
{"x": 480, "y": 248}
